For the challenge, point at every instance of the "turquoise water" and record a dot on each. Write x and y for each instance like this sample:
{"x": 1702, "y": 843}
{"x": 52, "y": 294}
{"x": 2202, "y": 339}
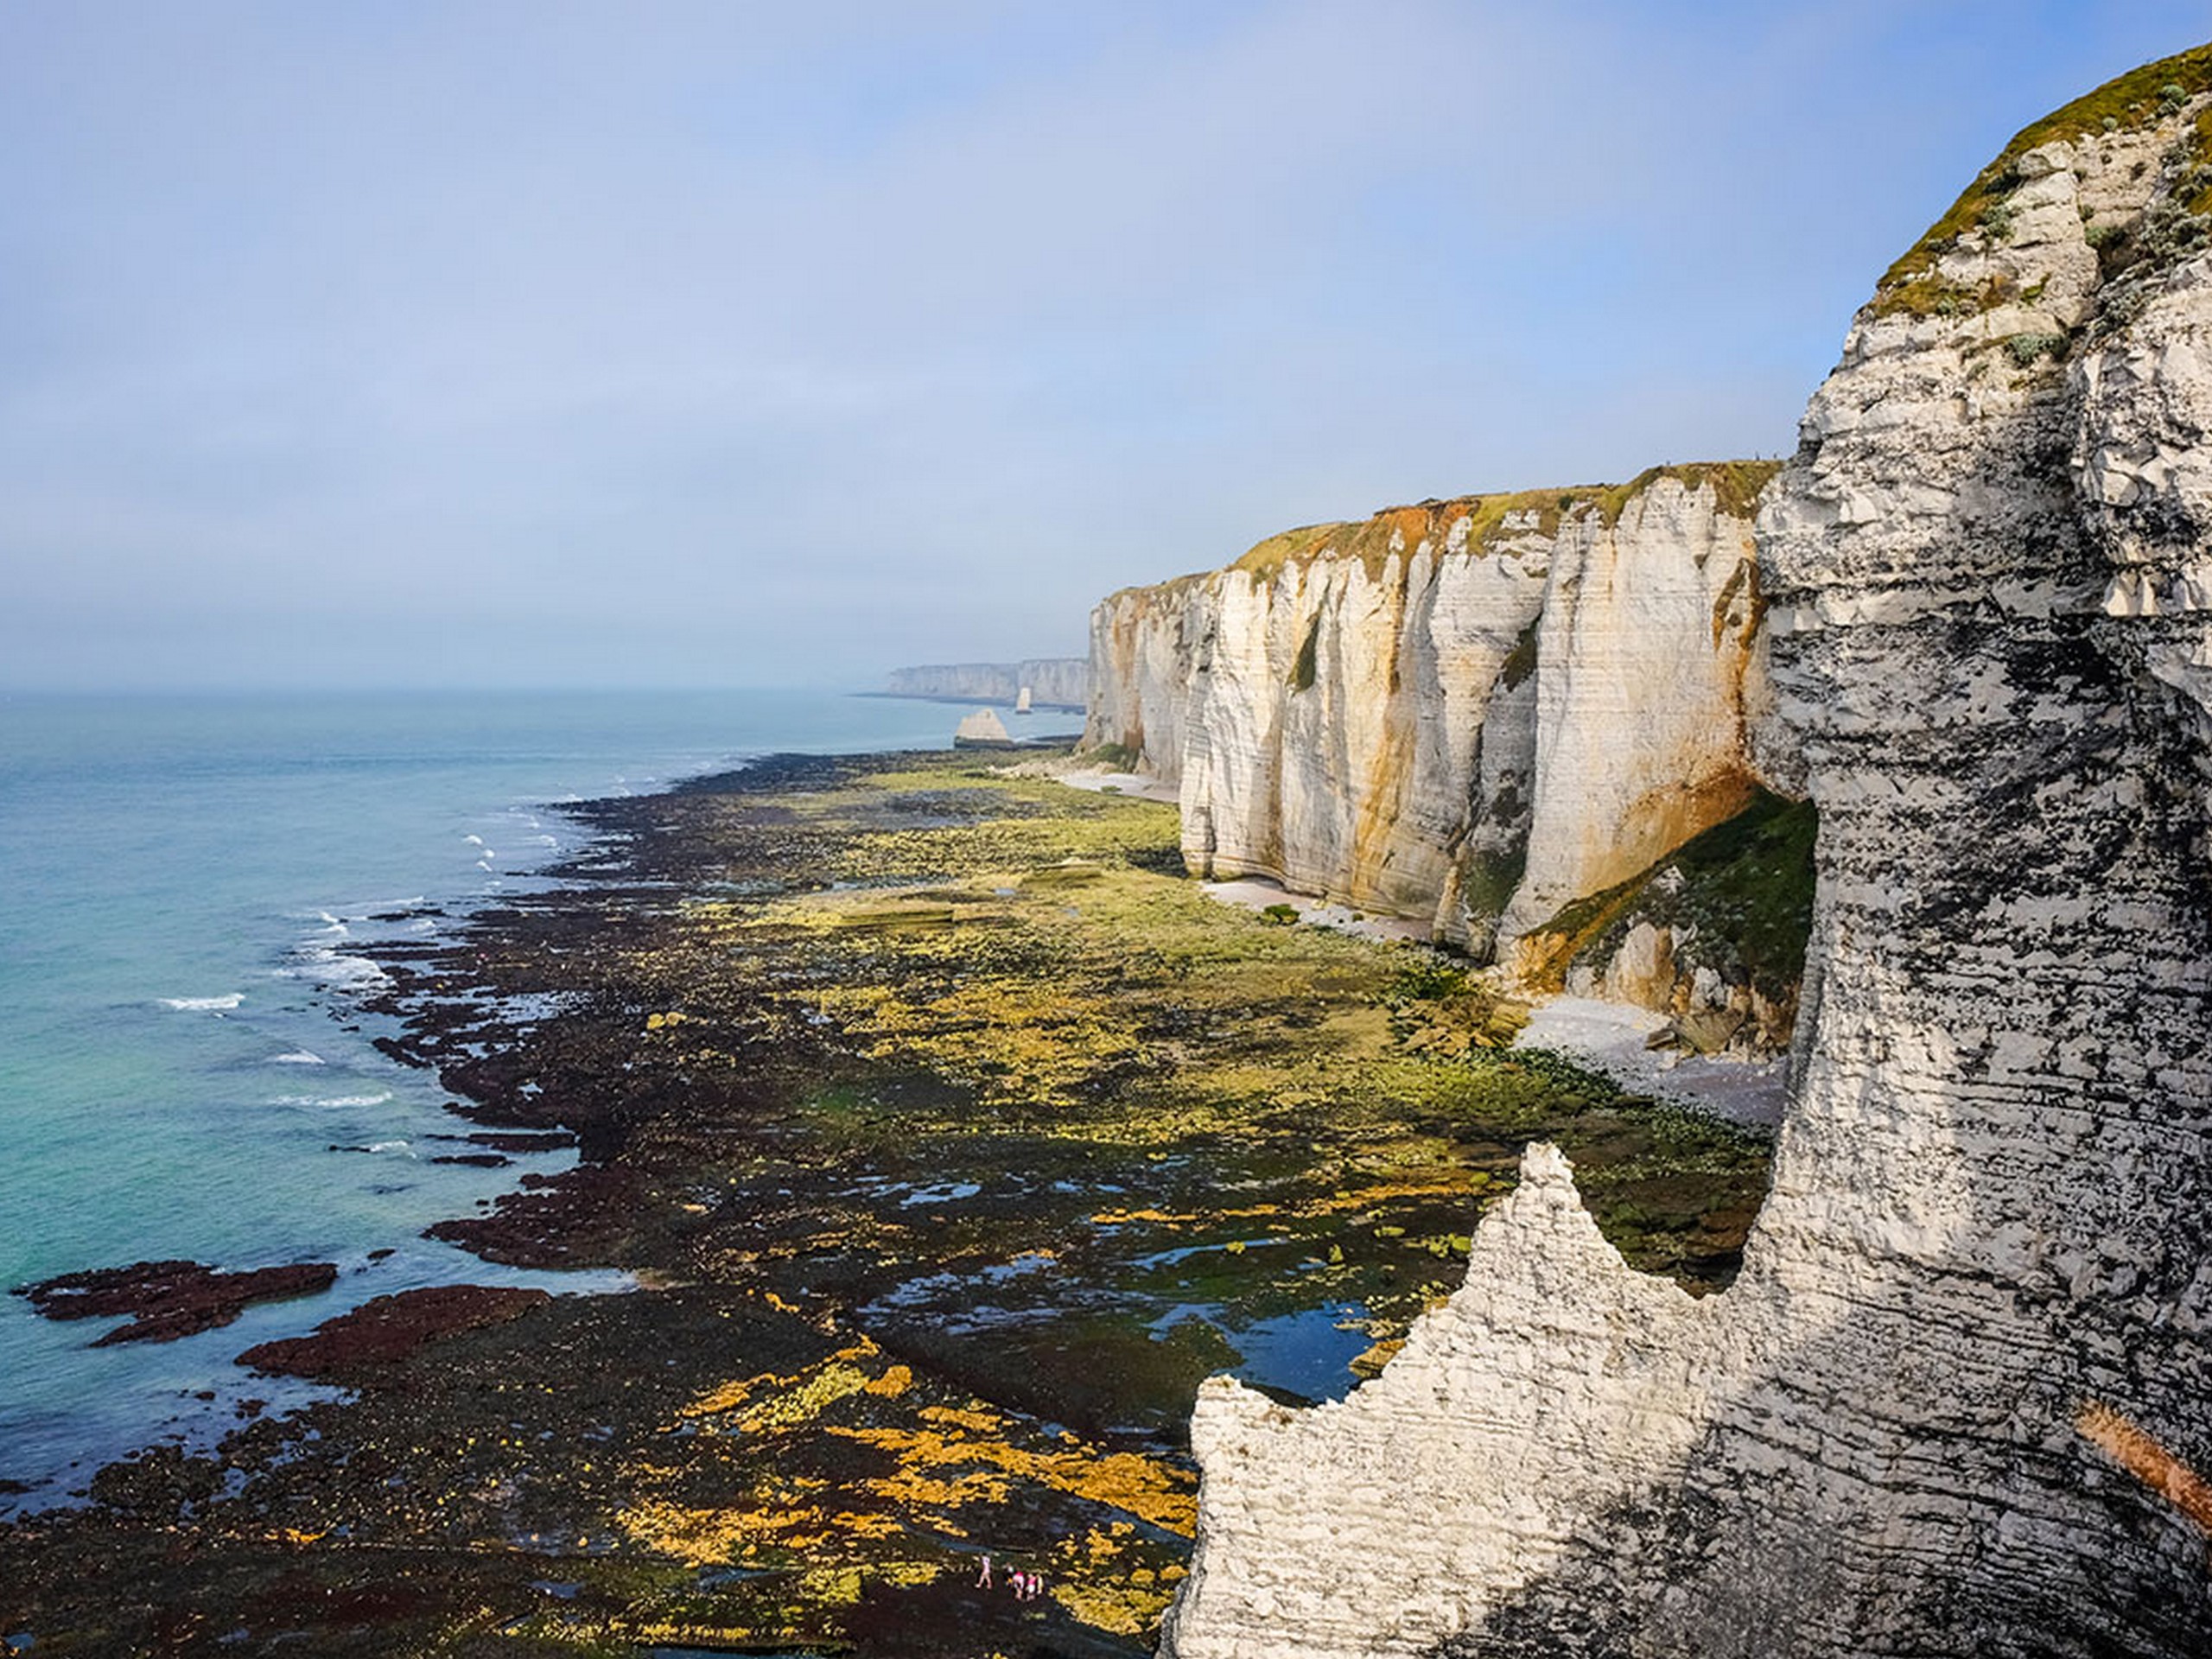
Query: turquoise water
{"x": 180, "y": 882}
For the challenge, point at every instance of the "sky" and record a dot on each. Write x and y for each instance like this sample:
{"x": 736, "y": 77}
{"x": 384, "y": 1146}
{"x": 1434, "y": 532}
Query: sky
{"x": 649, "y": 343}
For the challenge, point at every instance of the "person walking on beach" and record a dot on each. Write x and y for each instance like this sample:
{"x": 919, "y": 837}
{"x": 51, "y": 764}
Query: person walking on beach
{"x": 983, "y": 1579}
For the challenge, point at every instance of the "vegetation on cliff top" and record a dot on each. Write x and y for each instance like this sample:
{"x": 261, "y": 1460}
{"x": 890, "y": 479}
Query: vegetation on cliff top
{"x": 1490, "y": 518}
{"x": 2133, "y": 100}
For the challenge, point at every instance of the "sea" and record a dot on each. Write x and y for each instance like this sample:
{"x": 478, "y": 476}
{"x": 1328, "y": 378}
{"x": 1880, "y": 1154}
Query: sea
{"x": 185, "y": 885}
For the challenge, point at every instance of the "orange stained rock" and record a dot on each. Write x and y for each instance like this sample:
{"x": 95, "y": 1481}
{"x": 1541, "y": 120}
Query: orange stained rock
{"x": 2134, "y": 1450}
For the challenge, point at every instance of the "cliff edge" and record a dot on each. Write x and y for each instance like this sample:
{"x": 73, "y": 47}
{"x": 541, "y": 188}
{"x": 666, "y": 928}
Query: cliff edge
{"x": 1473, "y": 713}
{"x": 1955, "y": 1400}
{"x": 1463, "y": 711}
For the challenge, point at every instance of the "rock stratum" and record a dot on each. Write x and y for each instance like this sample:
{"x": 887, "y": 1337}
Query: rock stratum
{"x": 1474, "y": 713}
{"x": 1053, "y": 682}
{"x": 1956, "y": 1401}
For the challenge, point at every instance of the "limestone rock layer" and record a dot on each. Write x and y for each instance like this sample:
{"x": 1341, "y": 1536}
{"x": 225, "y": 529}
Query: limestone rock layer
{"x": 1960, "y": 1399}
{"x": 1468, "y": 712}
{"x": 1053, "y": 682}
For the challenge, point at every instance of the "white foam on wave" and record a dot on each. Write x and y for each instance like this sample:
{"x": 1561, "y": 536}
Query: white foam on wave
{"x": 297, "y": 1057}
{"x": 331, "y": 1102}
{"x": 392, "y": 1146}
{"x": 362, "y": 910}
{"x": 203, "y": 1004}
{"x": 334, "y": 971}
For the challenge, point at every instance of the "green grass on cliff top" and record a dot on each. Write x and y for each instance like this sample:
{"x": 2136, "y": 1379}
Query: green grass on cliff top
{"x": 1736, "y": 484}
{"x": 2133, "y": 100}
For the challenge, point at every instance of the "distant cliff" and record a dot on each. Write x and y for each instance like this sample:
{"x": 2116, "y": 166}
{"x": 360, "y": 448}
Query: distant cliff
{"x": 1472, "y": 712}
{"x": 1959, "y": 1400}
{"x": 1057, "y": 682}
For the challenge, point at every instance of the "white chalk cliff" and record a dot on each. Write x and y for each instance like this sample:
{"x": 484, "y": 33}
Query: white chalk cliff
{"x": 1953, "y": 1403}
{"x": 1467, "y": 712}
{"x": 1055, "y": 682}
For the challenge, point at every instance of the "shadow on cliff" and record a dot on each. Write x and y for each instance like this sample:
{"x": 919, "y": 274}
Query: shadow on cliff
{"x": 1909, "y": 1477}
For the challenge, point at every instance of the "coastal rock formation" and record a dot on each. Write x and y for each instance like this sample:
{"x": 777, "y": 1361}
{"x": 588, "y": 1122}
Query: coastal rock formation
{"x": 161, "y": 1301}
{"x": 1053, "y": 682}
{"x": 1469, "y": 712}
{"x": 981, "y": 730}
{"x": 1145, "y": 643}
{"x": 1955, "y": 1401}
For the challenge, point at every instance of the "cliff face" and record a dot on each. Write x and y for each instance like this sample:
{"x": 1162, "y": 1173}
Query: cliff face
{"x": 1951, "y": 1403}
{"x": 1468, "y": 712}
{"x": 1061, "y": 682}
{"x": 1144, "y": 647}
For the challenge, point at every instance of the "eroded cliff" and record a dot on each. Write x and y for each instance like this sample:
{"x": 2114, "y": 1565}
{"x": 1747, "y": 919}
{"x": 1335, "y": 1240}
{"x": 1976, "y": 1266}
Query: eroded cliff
{"x": 1057, "y": 682}
{"x": 1470, "y": 712}
{"x": 1953, "y": 1403}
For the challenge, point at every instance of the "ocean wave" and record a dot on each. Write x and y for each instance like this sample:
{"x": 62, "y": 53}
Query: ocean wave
{"x": 332, "y": 1102}
{"x": 203, "y": 1004}
{"x": 335, "y": 970}
{"x": 297, "y": 1057}
{"x": 392, "y": 1146}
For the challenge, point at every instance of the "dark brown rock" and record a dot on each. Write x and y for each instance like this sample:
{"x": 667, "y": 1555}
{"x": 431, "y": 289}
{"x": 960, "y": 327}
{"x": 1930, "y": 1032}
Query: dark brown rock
{"x": 360, "y": 1348}
{"x": 164, "y": 1301}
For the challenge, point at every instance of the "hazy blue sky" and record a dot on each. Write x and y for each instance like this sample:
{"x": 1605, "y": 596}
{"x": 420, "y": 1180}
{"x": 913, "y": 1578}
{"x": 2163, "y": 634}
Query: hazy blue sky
{"x": 650, "y": 342}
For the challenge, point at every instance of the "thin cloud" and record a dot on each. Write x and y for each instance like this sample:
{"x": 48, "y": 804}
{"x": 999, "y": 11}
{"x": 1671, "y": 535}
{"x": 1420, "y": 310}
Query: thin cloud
{"x": 696, "y": 343}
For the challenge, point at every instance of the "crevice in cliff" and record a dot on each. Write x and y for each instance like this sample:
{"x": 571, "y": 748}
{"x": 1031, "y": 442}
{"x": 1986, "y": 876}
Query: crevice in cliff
{"x": 1714, "y": 934}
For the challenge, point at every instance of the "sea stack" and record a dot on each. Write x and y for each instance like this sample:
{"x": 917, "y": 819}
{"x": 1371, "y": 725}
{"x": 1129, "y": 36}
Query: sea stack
{"x": 981, "y": 730}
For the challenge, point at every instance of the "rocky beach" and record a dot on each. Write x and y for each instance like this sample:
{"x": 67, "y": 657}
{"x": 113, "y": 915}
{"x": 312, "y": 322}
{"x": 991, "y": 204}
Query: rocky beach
{"x": 950, "y": 1135}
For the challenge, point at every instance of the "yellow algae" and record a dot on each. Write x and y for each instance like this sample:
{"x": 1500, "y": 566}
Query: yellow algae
{"x": 983, "y": 1421}
{"x": 1126, "y": 1609}
{"x": 894, "y": 1382}
{"x": 972, "y": 1440}
{"x": 1127, "y": 1602}
{"x": 706, "y": 1536}
{"x": 799, "y": 1395}
{"x": 915, "y": 1490}
{"x": 802, "y": 1402}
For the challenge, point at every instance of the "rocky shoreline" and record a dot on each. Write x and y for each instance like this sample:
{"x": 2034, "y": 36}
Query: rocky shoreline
{"x": 952, "y": 1137}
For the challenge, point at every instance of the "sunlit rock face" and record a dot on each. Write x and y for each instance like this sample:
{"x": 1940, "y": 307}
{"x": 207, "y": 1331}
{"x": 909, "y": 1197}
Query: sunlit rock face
{"x": 1469, "y": 712}
{"x": 1950, "y": 1405}
{"x": 1144, "y": 649}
